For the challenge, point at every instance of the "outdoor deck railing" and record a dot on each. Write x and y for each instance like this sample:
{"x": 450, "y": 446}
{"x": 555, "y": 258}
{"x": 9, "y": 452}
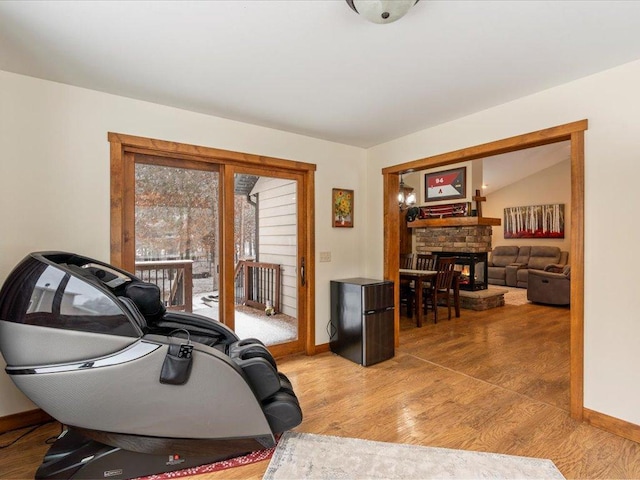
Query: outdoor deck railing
{"x": 257, "y": 283}
{"x": 174, "y": 278}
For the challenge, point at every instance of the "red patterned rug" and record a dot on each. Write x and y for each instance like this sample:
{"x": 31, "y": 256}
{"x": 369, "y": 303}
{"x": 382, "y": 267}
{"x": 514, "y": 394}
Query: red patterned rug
{"x": 253, "y": 457}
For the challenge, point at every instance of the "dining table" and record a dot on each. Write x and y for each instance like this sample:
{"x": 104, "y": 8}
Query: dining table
{"x": 419, "y": 277}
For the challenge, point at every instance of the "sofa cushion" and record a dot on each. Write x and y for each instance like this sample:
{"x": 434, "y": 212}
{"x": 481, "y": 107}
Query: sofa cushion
{"x": 497, "y": 275}
{"x": 541, "y": 256}
{"x": 523, "y": 255}
{"x": 522, "y": 278}
{"x": 504, "y": 255}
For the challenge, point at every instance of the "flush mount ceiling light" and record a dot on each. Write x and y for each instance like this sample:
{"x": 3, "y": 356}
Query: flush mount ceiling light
{"x": 381, "y": 11}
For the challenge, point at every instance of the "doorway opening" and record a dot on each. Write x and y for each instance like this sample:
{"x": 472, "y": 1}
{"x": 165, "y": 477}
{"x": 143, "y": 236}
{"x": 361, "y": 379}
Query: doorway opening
{"x": 574, "y": 133}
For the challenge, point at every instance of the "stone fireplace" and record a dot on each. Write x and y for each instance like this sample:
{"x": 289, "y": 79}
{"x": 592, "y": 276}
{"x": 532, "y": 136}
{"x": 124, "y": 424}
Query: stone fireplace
{"x": 470, "y": 245}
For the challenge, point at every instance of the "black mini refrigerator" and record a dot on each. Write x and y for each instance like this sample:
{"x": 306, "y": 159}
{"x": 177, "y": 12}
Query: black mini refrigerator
{"x": 362, "y": 320}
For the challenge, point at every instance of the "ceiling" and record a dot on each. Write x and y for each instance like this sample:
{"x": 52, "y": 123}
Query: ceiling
{"x": 316, "y": 67}
{"x": 499, "y": 171}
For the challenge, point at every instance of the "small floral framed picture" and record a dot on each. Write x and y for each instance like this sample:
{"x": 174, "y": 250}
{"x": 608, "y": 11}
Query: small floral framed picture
{"x": 342, "y": 207}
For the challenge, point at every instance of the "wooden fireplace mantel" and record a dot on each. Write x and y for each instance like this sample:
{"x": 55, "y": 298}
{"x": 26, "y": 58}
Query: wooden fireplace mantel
{"x": 453, "y": 222}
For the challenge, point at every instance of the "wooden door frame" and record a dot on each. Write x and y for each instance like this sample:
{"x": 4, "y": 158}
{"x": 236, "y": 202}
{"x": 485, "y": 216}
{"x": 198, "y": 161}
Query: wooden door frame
{"x": 572, "y": 132}
{"x": 122, "y": 151}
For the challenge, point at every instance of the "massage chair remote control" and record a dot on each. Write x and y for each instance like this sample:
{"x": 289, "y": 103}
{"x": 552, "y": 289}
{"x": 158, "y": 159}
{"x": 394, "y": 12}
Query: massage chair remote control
{"x": 185, "y": 351}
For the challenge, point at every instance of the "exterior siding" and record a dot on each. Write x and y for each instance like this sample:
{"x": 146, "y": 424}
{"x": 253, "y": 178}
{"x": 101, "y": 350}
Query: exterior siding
{"x": 277, "y": 234}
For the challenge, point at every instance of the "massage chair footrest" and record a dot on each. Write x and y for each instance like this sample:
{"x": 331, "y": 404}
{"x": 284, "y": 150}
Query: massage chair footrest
{"x": 282, "y": 411}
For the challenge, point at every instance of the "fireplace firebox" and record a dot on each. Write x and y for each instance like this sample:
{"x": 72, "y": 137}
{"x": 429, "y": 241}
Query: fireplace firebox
{"x": 473, "y": 268}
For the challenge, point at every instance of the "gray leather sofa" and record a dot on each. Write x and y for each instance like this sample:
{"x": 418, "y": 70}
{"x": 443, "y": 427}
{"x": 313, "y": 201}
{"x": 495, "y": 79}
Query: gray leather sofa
{"x": 510, "y": 265}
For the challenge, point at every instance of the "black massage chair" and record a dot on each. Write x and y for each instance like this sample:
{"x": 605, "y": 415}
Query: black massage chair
{"x": 140, "y": 390}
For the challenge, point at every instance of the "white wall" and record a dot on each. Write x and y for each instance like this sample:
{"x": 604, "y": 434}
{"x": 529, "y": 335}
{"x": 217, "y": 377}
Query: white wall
{"x": 610, "y": 101}
{"x": 548, "y": 186}
{"x": 54, "y": 178}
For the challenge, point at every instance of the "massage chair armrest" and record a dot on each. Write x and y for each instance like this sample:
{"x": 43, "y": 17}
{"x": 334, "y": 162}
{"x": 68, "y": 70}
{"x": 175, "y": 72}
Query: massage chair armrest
{"x": 201, "y": 329}
{"x": 251, "y": 348}
{"x": 252, "y": 359}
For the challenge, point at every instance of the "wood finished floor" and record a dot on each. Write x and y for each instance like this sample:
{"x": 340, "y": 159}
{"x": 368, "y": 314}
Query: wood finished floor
{"x": 494, "y": 381}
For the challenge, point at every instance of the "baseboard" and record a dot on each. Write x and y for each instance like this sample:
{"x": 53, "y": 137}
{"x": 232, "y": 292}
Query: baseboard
{"x": 23, "y": 419}
{"x": 322, "y": 348}
{"x": 613, "y": 425}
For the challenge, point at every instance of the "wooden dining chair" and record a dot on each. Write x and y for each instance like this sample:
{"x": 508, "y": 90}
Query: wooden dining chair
{"x": 406, "y": 286}
{"x": 425, "y": 261}
{"x": 406, "y": 260}
{"x": 441, "y": 287}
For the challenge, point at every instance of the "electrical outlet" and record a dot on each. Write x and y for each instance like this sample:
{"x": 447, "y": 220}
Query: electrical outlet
{"x": 325, "y": 256}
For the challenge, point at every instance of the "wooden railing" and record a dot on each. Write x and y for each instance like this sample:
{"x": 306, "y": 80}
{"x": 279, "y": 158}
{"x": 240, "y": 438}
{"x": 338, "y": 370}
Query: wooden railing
{"x": 175, "y": 280}
{"x": 257, "y": 283}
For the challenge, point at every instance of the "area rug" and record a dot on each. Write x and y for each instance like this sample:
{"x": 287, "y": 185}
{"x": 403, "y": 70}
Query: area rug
{"x": 310, "y": 456}
{"x": 253, "y": 457}
{"x": 515, "y": 296}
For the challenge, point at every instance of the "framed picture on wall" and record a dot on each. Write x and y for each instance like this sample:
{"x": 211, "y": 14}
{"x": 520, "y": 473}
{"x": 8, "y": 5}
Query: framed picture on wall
{"x": 342, "y": 201}
{"x": 445, "y": 185}
{"x": 534, "y": 221}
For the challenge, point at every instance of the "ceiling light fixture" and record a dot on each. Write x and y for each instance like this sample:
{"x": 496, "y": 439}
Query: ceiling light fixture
{"x": 406, "y": 197}
{"x": 381, "y": 11}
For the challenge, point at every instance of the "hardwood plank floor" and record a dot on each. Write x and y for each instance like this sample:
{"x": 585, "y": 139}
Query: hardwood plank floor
{"x": 523, "y": 348}
{"x": 493, "y": 381}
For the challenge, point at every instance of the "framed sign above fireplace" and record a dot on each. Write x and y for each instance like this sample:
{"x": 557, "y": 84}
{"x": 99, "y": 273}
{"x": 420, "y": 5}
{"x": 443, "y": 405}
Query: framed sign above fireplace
{"x": 445, "y": 185}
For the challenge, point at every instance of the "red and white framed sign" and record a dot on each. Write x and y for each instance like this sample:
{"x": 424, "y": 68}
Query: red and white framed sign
{"x": 446, "y": 184}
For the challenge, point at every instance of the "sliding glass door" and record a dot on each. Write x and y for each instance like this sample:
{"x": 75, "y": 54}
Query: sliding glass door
{"x": 223, "y": 234}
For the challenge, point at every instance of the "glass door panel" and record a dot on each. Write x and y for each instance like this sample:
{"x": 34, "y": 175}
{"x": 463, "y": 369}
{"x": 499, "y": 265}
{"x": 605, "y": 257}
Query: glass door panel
{"x": 177, "y": 233}
{"x": 266, "y": 258}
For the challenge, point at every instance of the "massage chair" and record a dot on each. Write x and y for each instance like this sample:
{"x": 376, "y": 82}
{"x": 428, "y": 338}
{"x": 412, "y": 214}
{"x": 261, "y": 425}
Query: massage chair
{"x": 139, "y": 390}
